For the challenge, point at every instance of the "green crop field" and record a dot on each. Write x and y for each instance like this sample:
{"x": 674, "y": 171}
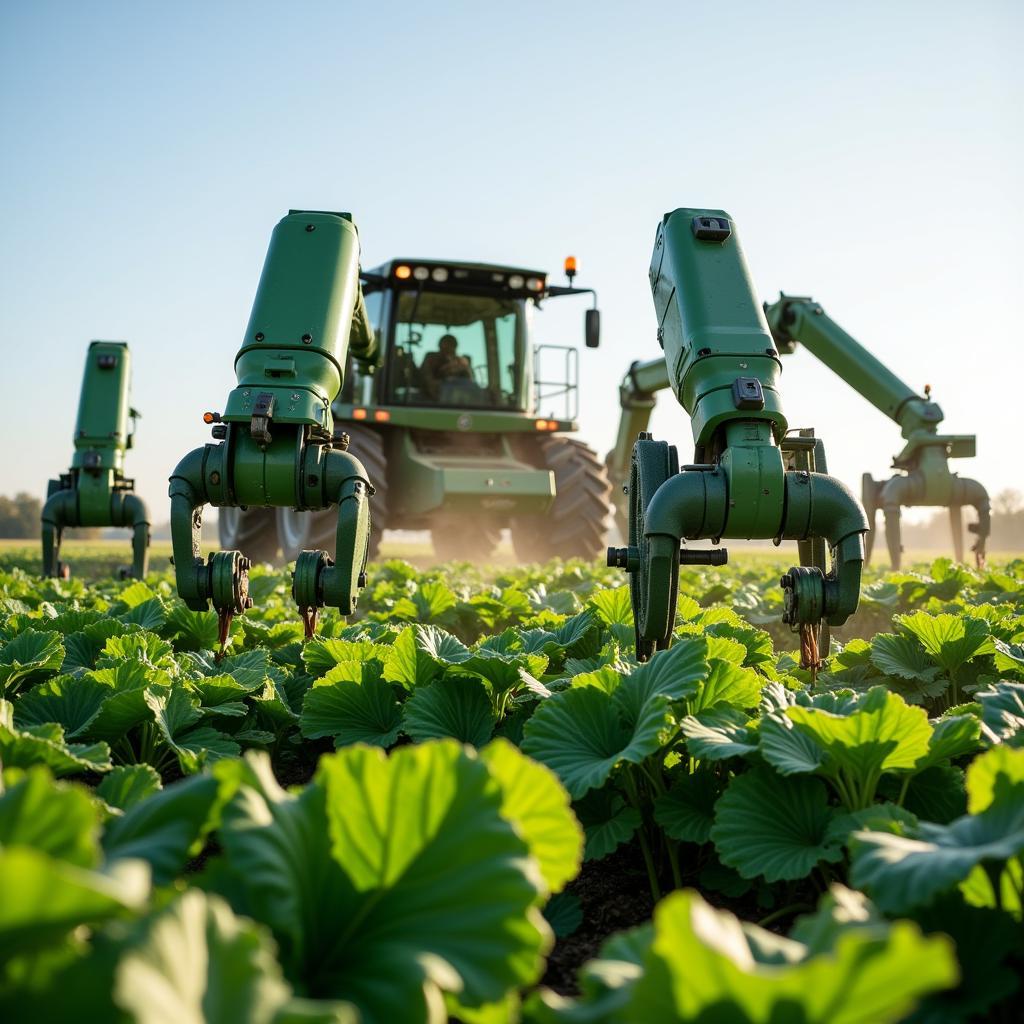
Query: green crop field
{"x": 470, "y": 802}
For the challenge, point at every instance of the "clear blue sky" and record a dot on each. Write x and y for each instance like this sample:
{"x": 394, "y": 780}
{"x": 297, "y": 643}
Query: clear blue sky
{"x": 870, "y": 154}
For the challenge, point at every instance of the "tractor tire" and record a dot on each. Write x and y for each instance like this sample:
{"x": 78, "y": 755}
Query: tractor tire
{"x": 317, "y": 531}
{"x": 251, "y": 531}
{"x": 576, "y": 525}
{"x": 464, "y": 539}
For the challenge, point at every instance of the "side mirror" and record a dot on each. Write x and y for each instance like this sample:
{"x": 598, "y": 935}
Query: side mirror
{"x": 592, "y": 328}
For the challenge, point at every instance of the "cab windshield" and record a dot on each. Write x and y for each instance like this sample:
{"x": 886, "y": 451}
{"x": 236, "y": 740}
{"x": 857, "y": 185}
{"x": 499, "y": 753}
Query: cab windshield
{"x": 456, "y": 350}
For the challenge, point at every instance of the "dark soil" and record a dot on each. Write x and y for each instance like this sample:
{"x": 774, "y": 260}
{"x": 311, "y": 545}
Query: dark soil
{"x": 614, "y": 895}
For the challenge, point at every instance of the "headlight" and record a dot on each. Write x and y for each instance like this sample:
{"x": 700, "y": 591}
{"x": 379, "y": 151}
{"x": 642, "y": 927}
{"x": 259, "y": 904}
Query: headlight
{"x": 421, "y": 273}
{"x": 534, "y": 284}
{"x": 439, "y": 274}
{"x": 516, "y": 281}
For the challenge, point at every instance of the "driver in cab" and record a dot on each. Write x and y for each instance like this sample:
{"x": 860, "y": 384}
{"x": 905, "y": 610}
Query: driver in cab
{"x": 443, "y": 365}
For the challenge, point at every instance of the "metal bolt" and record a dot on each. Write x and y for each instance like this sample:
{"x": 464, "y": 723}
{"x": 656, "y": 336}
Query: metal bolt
{"x": 703, "y": 352}
{"x": 259, "y": 335}
{"x": 307, "y": 338}
{"x": 311, "y": 227}
{"x": 786, "y": 582}
{"x": 215, "y": 477}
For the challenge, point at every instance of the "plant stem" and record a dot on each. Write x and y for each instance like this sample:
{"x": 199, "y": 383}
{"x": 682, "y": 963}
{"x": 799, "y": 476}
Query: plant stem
{"x": 673, "y": 860}
{"x": 645, "y": 846}
{"x": 789, "y": 908}
{"x": 903, "y": 790}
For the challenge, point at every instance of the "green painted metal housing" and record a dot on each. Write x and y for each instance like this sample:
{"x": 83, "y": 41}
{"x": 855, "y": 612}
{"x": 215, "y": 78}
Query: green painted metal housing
{"x": 277, "y": 447}
{"x": 722, "y": 364}
{"x": 95, "y": 491}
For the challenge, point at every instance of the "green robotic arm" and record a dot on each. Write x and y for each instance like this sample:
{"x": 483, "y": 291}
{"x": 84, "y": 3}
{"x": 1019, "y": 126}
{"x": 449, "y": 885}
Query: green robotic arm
{"x": 95, "y": 492}
{"x": 277, "y": 443}
{"x": 924, "y": 477}
{"x": 723, "y": 366}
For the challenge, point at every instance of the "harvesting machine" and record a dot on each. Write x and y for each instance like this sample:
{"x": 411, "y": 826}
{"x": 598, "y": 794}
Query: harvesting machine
{"x": 463, "y": 424}
{"x": 923, "y": 476}
{"x": 277, "y": 443}
{"x": 95, "y": 491}
{"x": 749, "y": 477}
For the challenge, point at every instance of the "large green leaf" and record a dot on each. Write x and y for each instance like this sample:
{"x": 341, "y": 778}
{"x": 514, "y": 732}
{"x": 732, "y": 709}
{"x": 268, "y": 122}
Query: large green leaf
{"x": 128, "y": 785}
{"x": 997, "y": 776}
{"x": 45, "y": 898}
{"x": 83, "y": 647}
{"x": 718, "y": 734}
{"x": 614, "y": 605}
{"x": 177, "y": 715}
{"x": 191, "y": 631}
{"x": 168, "y": 827}
{"x": 703, "y": 965}
{"x": 952, "y": 640}
{"x": 895, "y": 654}
{"x": 352, "y": 704}
{"x": 582, "y": 736}
{"x": 195, "y": 961}
{"x": 505, "y": 672}
{"x": 421, "y": 653}
{"x": 909, "y": 870}
{"x": 676, "y": 674}
{"x": 428, "y": 603}
{"x": 774, "y": 827}
{"x": 535, "y": 802}
{"x": 729, "y": 685}
{"x": 126, "y": 706}
{"x": 45, "y": 745}
{"x": 883, "y": 734}
{"x": 1002, "y": 712}
{"x": 55, "y": 818}
{"x": 986, "y": 941}
{"x": 142, "y": 647}
{"x": 389, "y": 880}
{"x": 687, "y": 811}
{"x": 789, "y": 750}
{"x": 70, "y": 701}
{"x": 321, "y": 654}
{"x": 607, "y": 820}
{"x": 32, "y": 655}
{"x": 455, "y": 706}
{"x": 952, "y": 736}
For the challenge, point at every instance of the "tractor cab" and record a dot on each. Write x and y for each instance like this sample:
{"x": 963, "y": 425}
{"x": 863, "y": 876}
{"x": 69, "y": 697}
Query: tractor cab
{"x": 456, "y": 336}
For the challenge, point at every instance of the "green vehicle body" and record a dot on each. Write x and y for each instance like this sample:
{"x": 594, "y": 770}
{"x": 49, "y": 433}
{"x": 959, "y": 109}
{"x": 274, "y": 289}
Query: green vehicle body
{"x": 277, "y": 441}
{"x": 95, "y": 491}
{"x": 923, "y": 475}
{"x": 479, "y": 453}
{"x": 749, "y": 477}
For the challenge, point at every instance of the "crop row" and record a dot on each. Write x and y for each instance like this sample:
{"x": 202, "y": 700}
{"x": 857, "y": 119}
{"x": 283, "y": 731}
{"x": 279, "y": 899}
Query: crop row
{"x": 494, "y": 738}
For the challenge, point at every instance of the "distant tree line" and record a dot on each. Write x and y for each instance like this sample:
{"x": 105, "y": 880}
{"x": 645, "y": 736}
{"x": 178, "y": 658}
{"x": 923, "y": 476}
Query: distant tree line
{"x": 19, "y": 516}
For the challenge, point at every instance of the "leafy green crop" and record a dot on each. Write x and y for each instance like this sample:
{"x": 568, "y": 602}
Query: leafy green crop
{"x": 459, "y": 754}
